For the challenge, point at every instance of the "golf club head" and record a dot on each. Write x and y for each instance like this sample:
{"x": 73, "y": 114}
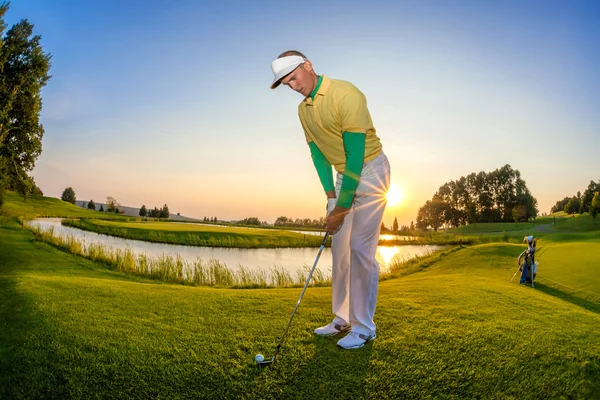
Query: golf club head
{"x": 264, "y": 363}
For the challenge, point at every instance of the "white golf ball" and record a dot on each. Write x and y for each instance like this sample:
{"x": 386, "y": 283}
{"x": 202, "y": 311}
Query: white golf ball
{"x": 259, "y": 358}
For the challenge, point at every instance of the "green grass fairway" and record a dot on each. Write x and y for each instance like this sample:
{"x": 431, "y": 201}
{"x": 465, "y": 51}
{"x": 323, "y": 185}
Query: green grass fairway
{"x": 457, "y": 329}
{"x": 41, "y": 206}
{"x": 543, "y": 226}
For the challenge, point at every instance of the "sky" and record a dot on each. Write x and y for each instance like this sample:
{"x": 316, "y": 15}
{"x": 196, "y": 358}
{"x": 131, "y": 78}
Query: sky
{"x": 155, "y": 102}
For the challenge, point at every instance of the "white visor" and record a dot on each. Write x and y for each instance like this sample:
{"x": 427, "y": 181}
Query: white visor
{"x": 283, "y": 66}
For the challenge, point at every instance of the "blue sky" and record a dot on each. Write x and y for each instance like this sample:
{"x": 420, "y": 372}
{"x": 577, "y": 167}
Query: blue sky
{"x": 152, "y": 102}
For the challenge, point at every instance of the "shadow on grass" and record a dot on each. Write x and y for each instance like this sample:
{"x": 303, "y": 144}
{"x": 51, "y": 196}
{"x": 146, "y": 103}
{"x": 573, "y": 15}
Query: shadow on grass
{"x": 552, "y": 291}
{"x": 27, "y": 353}
{"x": 332, "y": 370}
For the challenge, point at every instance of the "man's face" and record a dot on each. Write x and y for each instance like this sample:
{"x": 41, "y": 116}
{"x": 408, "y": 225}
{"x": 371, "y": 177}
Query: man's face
{"x": 301, "y": 79}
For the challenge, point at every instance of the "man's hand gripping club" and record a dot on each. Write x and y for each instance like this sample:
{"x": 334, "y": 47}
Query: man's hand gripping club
{"x": 335, "y": 214}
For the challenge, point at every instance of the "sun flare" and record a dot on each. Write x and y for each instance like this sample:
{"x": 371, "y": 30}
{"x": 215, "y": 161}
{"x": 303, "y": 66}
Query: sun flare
{"x": 394, "y": 196}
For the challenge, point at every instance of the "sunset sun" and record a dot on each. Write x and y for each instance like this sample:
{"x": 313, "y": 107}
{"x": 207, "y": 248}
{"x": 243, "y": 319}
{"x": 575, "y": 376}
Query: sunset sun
{"x": 394, "y": 196}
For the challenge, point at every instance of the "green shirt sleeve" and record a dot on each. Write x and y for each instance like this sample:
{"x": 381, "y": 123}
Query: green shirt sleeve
{"x": 354, "y": 146}
{"x": 322, "y": 166}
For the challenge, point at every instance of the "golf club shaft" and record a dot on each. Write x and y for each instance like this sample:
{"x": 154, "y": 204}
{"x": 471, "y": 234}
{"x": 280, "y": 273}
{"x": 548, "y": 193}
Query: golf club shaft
{"x": 519, "y": 264}
{"x": 513, "y": 277}
{"x": 302, "y": 294}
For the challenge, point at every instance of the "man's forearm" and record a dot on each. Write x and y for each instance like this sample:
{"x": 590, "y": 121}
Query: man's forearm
{"x": 354, "y": 146}
{"x": 323, "y": 168}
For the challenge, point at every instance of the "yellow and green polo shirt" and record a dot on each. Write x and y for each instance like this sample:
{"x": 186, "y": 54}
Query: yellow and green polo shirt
{"x": 338, "y": 107}
{"x": 339, "y": 132}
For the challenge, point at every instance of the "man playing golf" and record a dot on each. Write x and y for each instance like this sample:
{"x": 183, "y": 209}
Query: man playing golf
{"x": 340, "y": 133}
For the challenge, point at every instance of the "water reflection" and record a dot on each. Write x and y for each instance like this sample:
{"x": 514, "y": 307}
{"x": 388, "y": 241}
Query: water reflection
{"x": 387, "y": 253}
{"x": 291, "y": 259}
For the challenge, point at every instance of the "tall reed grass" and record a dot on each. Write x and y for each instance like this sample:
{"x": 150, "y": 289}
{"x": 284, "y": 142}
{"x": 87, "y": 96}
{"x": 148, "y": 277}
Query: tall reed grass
{"x": 172, "y": 268}
{"x": 409, "y": 266}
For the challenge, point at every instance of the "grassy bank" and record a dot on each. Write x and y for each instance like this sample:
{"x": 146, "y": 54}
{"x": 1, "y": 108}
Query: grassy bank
{"x": 174, "y": 269}
{"x": 211, "y": 235}
{"x": 196, "y": 235}
{"x": 457, "y": 328}
{"x": 543, "y": 226}
{"x": 236, "y": 237}
{"x": 41, "y": 206}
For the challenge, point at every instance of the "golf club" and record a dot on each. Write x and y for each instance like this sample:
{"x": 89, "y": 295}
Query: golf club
{"x": 519, "y": 264}
{"x": 258, "y": 358}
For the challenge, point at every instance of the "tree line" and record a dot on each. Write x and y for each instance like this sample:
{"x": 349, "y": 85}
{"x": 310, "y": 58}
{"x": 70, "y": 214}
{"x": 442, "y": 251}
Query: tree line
{"x": 497, "y": 196}
{"x": 155, "y": 212}
{"x": 284, "y": 221}
{"x": 112, "y": 205}
{"x": 579, "y": 203}
{"x": 397, "y": 229}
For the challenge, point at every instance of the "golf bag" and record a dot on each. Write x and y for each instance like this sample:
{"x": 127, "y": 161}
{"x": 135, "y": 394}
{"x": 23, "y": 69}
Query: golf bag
{"x": 528, "y": 268}
{"x": 529, "y": 265}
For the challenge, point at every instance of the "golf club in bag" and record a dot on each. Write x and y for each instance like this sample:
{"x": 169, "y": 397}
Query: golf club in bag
{"x": 258, "y": 358}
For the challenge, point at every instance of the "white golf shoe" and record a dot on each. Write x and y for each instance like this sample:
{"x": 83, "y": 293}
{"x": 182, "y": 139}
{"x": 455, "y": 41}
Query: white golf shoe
{"x": 331, "y": 329}
{"x": 355, "y": 340}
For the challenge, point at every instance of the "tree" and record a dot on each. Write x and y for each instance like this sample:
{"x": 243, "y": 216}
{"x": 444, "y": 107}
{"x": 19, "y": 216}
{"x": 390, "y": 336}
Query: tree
{"x": 164, "y": 212}
{"x": 479, "y": 197}
{"x": 143, "y": 211}
{"x": 588, "y": 194}
{"x": 412, "y": 226}
{"x": 595, "y": 206}
{"x": 560, "y": 205}
{"x": 519, "y": 213}
{"x": 68, "y": 195}
{"x": 111, "y": 204}
{"x": 37, "y": 191}
{"x": 430, "y": 214}
{"x": 395, "y": 225}
{"x": 101, "y": 208}
{"x": 24, "y": 71}
{"x": 280, "y": 221}
{"x": 250, "y": 221}
{"x": 91, "y": 205}
{"x": 573, "y": 206}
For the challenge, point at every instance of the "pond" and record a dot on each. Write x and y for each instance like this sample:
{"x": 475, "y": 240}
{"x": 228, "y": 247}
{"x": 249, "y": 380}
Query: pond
{"x": 290, "y": 259}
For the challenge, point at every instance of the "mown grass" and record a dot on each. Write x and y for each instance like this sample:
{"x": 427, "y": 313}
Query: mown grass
{"x": 197, "y": 235}
{"x": 558, "y": 222}
{"x": 214, "y": 236}
{"x": 457, "y": 328}
{"x": 41, "y": 206}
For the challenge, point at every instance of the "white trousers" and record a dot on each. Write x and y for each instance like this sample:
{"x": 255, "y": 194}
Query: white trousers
{"x": 355, "y": 271}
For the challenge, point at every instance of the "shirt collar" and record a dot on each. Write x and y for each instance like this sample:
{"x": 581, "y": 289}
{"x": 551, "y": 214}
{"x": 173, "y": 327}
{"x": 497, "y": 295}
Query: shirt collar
{"x": 316, "y": 89}
{"x": 320, "y": 89}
